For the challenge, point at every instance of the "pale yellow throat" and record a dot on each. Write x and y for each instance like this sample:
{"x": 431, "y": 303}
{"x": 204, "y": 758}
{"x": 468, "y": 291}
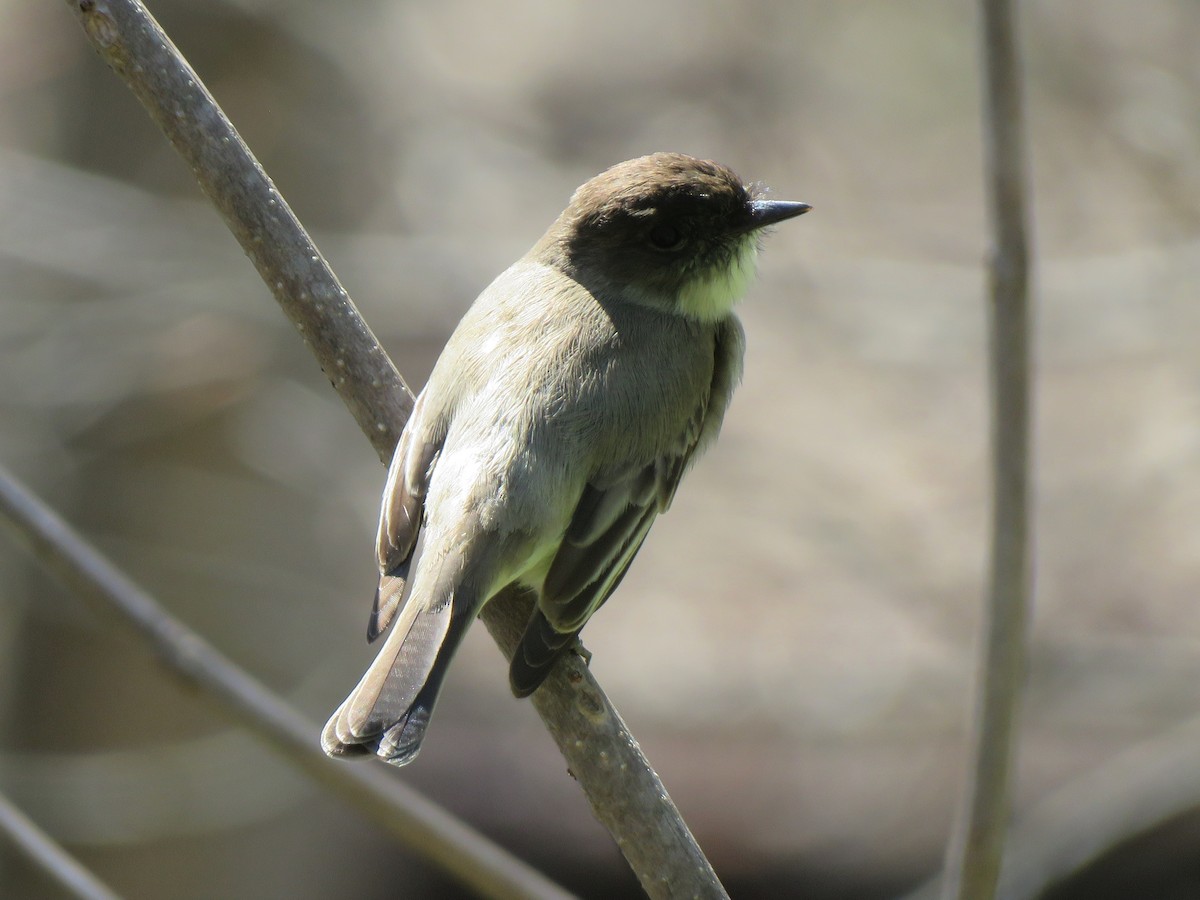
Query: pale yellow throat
{"x": 712, "y": 296}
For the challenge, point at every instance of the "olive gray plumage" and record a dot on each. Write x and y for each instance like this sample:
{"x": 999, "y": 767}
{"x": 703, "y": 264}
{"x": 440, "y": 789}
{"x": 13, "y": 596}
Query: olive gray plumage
{"x": 554, "y": 428}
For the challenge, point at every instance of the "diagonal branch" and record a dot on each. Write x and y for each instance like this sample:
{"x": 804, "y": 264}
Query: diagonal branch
{"x": 442, "y": 839}
{"x": 41, "y": 850}
{"x": 977, "y": 844}
{"x": 1138, "y": 790}
{"x": 1073, "y": 825}
{"x": 623, "y": 790}
{"x": 131, "y": 42}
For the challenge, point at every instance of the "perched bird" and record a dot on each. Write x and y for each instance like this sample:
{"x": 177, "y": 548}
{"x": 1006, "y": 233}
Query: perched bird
{"x": 555, "y": 427}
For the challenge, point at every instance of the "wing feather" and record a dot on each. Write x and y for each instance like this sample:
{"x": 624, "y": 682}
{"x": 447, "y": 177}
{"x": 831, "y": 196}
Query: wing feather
{"x": 610, "y": 522}
{"x": 613, "y": 515}
{"x": 402, "y": 513}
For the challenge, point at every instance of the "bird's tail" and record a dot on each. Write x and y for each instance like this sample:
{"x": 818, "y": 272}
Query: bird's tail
{"x": 389, "y": 710}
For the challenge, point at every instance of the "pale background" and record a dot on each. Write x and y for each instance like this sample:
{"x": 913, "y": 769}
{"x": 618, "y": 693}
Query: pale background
{"x": 795, "y": 643}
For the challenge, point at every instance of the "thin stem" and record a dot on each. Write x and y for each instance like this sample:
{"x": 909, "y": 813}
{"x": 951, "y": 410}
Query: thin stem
{"x": 41, "y": 850}
{"x": 635, "y": 806}
{"x": 1138, "y": 790}
{"x": 460, "y": 851}
{"x": 977, "y": 845}
{"x": 139, "y": 51}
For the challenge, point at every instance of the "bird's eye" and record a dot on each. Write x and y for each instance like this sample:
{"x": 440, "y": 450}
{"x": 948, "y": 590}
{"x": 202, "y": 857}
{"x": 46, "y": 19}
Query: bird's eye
{"x": 665, "y": 236}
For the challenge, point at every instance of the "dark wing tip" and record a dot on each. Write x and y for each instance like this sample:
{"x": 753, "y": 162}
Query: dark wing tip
{"x": 523, "y": 680}
{"x": 540, "y": 648}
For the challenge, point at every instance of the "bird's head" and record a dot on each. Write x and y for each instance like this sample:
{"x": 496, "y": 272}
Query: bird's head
{"x": 666, "y": 230}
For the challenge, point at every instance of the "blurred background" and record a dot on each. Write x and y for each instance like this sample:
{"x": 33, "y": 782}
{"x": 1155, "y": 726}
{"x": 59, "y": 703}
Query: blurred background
{"x": 795, "y": 644}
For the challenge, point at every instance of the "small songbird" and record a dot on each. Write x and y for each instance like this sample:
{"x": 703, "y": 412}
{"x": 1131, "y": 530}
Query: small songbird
{"x": 555, "y": 427}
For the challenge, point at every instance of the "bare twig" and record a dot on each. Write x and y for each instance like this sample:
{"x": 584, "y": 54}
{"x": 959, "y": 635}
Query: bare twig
{"x": 1138, "y": 790}
{"x": 977, "y": 844}
{"x": 429, "y": 830}
{"x": 634, "y": 806}
{"x": 132, "y": 43}
{"x": 41, "y": 850}
{"x": 137, "y": 49}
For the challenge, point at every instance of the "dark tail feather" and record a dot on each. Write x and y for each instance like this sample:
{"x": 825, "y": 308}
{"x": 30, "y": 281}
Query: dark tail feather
{"x": 389, "y": 710}
{"x": 401, "y": 743}
{"x": 540, "y": 648}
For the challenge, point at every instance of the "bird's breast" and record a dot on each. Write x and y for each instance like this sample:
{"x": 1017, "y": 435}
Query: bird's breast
{"x": 552, "y": 385}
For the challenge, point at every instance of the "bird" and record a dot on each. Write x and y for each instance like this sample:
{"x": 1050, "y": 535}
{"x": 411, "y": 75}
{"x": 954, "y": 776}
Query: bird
{"x": 554, "y": 429}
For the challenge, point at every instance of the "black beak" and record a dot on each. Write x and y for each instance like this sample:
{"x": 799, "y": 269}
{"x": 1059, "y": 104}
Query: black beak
{"x": 768, "y": 212}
